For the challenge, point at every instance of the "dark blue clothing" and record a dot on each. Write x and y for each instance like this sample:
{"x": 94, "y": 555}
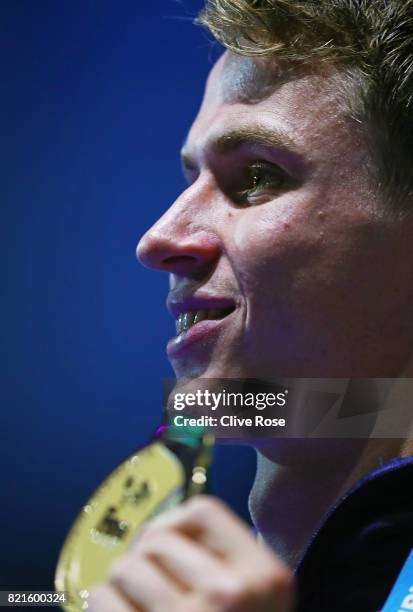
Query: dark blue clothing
{"x": 354, "y": 559}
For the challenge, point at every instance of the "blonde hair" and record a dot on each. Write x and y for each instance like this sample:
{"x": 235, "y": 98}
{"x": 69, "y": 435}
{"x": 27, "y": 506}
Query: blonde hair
{"x": 371, "y": 40}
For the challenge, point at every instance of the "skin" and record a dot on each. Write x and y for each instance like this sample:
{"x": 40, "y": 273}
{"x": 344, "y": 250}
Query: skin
{"x": 181, "y": 562}
{"x": 321, "y": 279}
{"x": 293, "y": 258}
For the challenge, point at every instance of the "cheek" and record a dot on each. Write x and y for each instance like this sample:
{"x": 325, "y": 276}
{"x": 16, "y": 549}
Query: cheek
{"x": 271, "y": 242}
{"x": 297, "y": 263}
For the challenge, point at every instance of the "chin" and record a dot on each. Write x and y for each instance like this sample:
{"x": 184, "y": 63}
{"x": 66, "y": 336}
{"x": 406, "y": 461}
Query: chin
{"x": 210, "y": 370}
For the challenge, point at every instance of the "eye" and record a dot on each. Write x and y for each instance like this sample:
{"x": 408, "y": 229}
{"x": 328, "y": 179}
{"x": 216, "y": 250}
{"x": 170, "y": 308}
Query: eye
{"x": 261, "y": 182}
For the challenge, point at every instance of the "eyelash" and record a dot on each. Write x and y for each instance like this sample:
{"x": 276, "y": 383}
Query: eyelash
{"x": 261, "y": 178}
{"x": 256, "y": 179}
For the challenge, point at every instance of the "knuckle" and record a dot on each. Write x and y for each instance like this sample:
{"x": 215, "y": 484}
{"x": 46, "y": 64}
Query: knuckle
{"x": 204, "y": 505}
{"x": 152, "y": 528}
{"x": 277, "y": 581}
{"x": 151, "y": 533}
{"x": 227, "y": 594}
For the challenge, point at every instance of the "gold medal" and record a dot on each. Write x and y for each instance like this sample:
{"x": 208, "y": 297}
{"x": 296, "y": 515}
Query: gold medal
{"x": 151, "y": 480}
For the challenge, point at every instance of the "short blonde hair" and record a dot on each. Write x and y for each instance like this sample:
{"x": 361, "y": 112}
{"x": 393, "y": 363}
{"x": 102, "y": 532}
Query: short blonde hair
{"x": 371, "y": 40}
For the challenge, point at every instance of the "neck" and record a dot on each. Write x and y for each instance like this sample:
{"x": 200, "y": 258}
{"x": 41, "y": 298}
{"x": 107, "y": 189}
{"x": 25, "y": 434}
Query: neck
{"x": 290, "y": 497}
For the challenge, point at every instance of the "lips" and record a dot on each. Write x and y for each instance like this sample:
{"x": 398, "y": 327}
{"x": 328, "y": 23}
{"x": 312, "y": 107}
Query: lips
{"x": 188, "y": 319}
{"x": 198, "y": 317}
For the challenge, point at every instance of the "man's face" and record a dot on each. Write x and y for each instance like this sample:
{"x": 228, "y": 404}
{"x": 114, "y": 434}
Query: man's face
{"x": 279, "y": 240}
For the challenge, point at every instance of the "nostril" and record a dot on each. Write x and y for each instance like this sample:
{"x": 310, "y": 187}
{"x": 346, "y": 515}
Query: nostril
{"x": 171, "y": 253}
{"x": 179, "y": 259}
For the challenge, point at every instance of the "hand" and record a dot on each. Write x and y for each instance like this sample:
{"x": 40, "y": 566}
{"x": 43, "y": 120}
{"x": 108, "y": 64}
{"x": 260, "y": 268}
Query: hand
{"x": 198, "y": 557}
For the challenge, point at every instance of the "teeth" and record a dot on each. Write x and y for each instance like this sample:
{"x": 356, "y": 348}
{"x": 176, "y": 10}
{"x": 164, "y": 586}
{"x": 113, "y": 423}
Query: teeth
{"x": 188, "y": 319}
{"x": 200, "y": 315}
{"x": 178, "y": 324}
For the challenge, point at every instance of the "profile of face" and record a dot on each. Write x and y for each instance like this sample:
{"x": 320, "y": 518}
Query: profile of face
{"x": 282, "y": 260}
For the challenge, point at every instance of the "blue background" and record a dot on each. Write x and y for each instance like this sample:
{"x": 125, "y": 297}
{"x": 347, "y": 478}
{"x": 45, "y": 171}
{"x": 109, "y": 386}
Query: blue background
{"x": 96, "y": 100}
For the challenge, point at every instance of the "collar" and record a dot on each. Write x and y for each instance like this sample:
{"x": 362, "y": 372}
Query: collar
{"x": 376, "y": 481}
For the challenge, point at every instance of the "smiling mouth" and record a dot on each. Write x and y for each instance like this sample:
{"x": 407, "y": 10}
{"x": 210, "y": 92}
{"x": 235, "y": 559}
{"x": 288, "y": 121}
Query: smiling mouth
{"x": 189, "y": 319}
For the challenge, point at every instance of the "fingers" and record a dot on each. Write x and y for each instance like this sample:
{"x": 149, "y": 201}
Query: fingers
{"x": 197, "y": 558}
{"x": 142, "y": 582}
{"x": 212, "y": 524}
{"x": 206, "y": 519}
{"x": 201, "y": 557}
{"x": 191, "y": 567}
{"x": 104, "y": 598}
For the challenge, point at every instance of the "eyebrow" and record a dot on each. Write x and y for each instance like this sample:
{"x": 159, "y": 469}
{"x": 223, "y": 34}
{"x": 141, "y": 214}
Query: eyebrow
{"x": 251, "y": 135}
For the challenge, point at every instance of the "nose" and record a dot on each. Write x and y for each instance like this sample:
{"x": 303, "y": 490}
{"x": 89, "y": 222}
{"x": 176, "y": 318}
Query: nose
{"x": 180, "y": 242}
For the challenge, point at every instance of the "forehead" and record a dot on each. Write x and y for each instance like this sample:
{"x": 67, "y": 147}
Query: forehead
{"x": 244, "y": 91}
{"x": 237, "y": 79}
{"x": 246, "y": 79}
